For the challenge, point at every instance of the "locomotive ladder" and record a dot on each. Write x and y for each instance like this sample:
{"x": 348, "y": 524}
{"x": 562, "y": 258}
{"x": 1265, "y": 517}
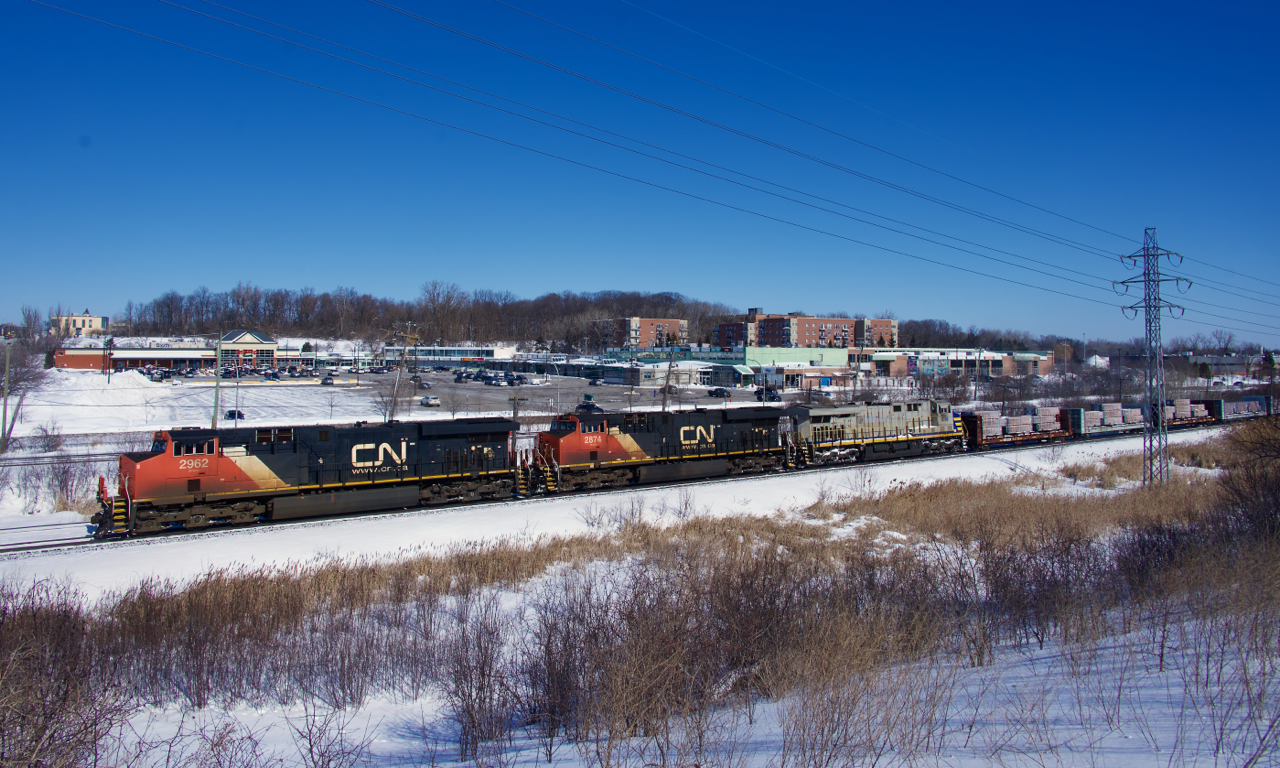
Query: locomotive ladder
{"x": 119, "y": 522}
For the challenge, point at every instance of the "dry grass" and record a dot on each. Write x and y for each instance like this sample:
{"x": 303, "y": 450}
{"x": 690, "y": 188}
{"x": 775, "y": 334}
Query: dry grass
{"x": 1003, "y": 511}
{"x": 628, "y": 641}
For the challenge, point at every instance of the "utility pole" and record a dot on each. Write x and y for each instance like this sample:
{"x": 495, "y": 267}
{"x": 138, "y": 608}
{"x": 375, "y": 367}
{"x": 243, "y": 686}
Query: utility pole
{"x": 4, "y": 419}
{"x": 217, "y": 377}
{"x": 1155, "y": 432}
{"x": 410, "y": 335}
{"x": 516, "y": 400}
{"x": 671, "y": 364}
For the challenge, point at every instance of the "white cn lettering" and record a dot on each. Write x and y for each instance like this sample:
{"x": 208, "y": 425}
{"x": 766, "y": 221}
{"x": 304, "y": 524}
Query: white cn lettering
{"x": 387, "y": 450}
{"x": 700, "y": 434}
{"x": 355, "y": 461}
{"x": 384, "y": 450}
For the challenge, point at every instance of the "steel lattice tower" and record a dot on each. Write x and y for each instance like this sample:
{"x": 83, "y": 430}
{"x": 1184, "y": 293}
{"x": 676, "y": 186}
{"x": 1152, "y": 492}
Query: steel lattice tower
{"x": 1155, "y": 432}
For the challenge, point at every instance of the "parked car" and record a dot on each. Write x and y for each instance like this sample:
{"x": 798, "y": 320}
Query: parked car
{"x": 497, "y": 383}
{"x": 769, "y": 397}
{"x": 430, "y": 401}
{"x": 718, "y": 392}
{"x": 671, "y": 389}
{"x": 415, "y": 377}
{"x": 235, "y": 415}
{"x": 588, "y": 408}
{"x": 327, "y": 380}
{"x": 424, "y": 385}
{"x": 595, "y": 382}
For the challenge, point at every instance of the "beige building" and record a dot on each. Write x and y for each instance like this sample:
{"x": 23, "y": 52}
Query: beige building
{"x": 78, "y": 325}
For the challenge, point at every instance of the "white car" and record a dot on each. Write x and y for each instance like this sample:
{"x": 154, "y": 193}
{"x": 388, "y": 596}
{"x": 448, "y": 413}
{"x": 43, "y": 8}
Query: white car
{"x": 430, "y": 401}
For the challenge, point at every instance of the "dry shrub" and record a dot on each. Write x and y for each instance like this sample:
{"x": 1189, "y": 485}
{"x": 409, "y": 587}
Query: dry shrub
{"x": 648, "y": 644}
{"x": 1079, "y": 472}
{"x": 1000, "y": 510}
{"x": 58, "y": 700}
{"x": 1211, "y": 454}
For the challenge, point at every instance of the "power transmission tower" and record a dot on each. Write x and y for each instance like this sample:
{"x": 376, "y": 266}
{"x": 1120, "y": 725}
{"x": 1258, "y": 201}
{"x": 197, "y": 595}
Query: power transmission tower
{"x": 1155, "y": 431}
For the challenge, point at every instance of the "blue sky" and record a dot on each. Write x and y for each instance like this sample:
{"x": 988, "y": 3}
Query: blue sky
{"x": 133, "y": 167}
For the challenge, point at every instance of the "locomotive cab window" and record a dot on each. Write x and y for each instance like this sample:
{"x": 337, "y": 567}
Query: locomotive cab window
{"x": 203, "y": 448}
{"x": 262, "y": 436}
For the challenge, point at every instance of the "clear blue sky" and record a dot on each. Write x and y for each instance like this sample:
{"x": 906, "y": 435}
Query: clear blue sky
{"x": 132, "y": 167}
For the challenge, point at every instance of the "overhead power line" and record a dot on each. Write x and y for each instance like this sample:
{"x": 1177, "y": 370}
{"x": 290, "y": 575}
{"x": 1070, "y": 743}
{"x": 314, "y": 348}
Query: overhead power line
{"x": 802, "y": 120}
{"x": 643, "y": 143}
{"x": 747, "y": 135}
{"x": 544, "y": 153}
{"x": 831, "y": 131}
{"x": 654, "y": 146}
{"x": 1068, "y": 242}
{"x": 589, "y": 166}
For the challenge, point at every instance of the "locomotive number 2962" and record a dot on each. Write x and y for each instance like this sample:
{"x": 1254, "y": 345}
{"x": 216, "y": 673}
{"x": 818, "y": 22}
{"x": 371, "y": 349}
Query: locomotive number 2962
{"x": 193, "y": 463}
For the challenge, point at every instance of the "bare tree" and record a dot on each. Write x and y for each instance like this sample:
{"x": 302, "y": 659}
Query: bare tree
{"x": 24, "y": 372}
{"x": 388, "y": 396}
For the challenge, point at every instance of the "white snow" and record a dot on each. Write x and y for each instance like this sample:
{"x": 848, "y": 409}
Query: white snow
{"x": 114, "y": 565}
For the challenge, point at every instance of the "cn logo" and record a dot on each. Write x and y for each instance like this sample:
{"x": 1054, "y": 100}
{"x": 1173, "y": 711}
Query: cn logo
{"x": 699, "y": 434}
{"x": 384, "y": 449}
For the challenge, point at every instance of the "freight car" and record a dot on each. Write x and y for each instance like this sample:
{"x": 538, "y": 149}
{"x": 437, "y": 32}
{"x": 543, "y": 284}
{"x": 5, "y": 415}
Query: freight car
{"x": 194, "y": 478}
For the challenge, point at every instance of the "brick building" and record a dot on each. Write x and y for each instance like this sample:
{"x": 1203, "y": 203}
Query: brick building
{"x": 797, "y": 329}
{"x": 638, "y": 332}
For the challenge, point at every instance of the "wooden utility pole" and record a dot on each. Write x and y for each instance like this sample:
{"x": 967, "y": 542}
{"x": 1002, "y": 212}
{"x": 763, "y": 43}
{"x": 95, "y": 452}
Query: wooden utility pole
{"x": 410, "y": 336}
{"x": 516, "y": 400}
{"x": 217, "y": 377}
{"x": 671, "y": 364}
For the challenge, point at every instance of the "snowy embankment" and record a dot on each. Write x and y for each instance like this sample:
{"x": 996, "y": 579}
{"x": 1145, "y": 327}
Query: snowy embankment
{"x": 397, "y": 658}
{"x": 116, "y": 565}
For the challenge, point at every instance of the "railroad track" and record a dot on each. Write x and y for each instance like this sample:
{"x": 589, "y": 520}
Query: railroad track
{"x": 998, "y": 456}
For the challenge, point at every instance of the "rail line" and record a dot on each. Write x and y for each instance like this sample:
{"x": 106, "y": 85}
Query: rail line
{"x": 997, "y": 455}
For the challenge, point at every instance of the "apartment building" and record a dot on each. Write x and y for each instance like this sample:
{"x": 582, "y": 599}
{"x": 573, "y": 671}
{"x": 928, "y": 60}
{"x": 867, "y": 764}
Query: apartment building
{"x": 797, "y": 329}
{"x": 638, "y": 332}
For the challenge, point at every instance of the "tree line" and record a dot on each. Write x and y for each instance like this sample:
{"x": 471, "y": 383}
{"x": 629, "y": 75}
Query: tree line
{"x": 443, "y": 312}
{"x": 563, "y": 322}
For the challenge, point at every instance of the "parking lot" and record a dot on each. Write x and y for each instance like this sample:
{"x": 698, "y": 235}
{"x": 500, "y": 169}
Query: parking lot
{"x": 558, "y": 394}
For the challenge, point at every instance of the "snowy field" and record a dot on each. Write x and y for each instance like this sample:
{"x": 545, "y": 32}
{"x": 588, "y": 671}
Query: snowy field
{"x": 80, "y": 402}
{"x": 111, "y": 566}
{"x": 1133, "y": 693}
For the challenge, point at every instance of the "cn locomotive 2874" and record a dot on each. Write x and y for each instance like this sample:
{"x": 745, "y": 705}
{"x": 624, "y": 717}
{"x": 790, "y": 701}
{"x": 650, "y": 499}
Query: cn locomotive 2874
{"x": 195, "y": 478}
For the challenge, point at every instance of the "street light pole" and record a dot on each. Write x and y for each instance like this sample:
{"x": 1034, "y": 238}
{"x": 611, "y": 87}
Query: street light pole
{"x": 217, "y": 378}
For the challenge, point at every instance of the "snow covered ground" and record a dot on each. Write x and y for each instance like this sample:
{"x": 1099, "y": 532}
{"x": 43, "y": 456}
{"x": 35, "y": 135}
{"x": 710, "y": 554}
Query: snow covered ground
{"x": 81, "y": 402}
{"x": 110, "y": 566}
